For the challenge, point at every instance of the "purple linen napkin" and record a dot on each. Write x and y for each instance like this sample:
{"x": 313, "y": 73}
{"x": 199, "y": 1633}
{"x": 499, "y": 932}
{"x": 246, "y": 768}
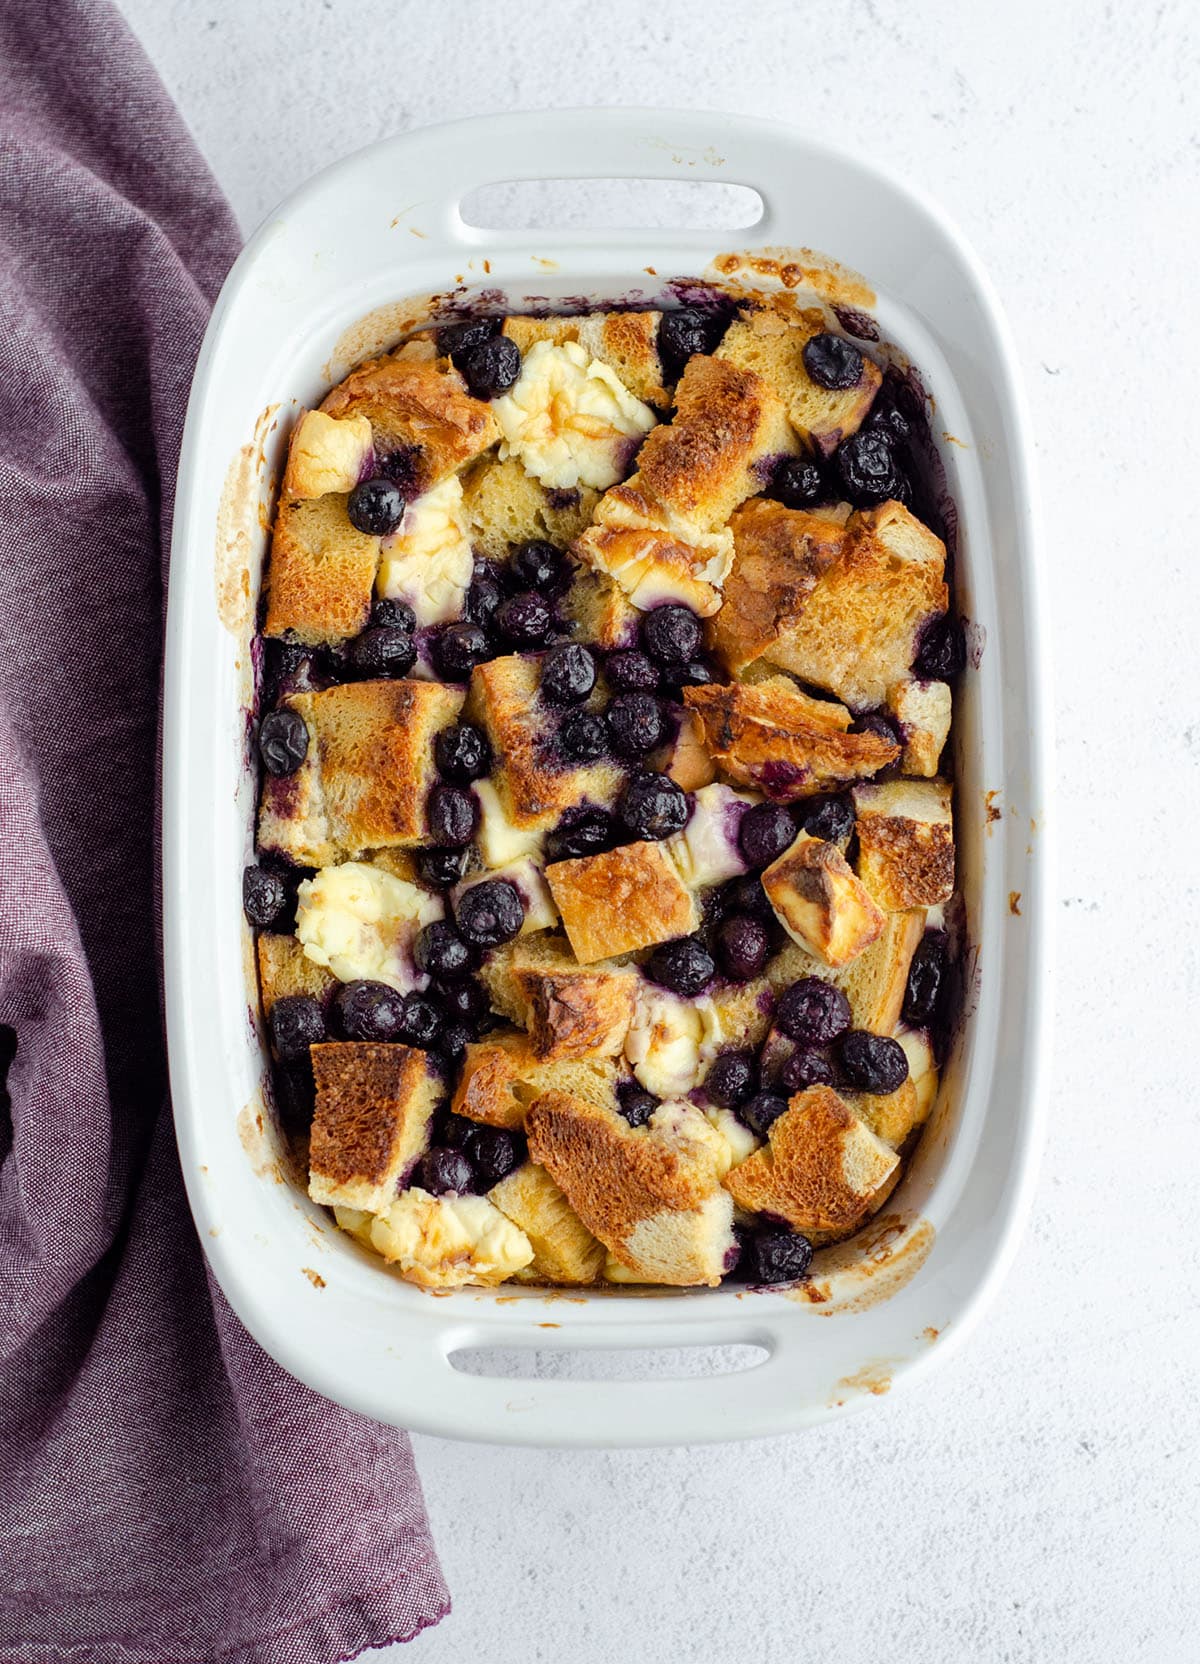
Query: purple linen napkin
{"x": 167, "y": 1494}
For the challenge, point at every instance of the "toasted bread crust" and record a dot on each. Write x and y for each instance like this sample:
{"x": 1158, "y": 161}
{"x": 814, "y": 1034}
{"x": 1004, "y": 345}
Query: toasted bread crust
{"x": 321, "y": 576}
{"x": 780, "y": 556}
{"x": 421, "y": 406}
{"x": 284, "y": 968}
{"x": 906, "y": 843}
{"x": 820, "y": 902}
{"x": 373, "y": 1108}
{"x": 624, "y": 899}
{"x": 501, "y": 1076}
{"x": 773, "y": 347}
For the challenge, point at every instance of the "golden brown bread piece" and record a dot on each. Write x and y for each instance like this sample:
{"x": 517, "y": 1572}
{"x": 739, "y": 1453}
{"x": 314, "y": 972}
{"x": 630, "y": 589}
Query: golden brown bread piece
{"x": 501, "y": 1076}
{"x": 507, "y": 506}
{"x": 773, "y": 347}
{"x": 284, "y": 968}
{"x": 822, "y": 1169}
{"x": 621, "y": 900}
{"x": 626, "y": 341}
{"x": 602, "y": 611}
{"x": 569, "y": 1010}
{"x": 326, "y": 454}
{"x": 874, "y": 983}
{"x": 292, "y": 818}
{"x": 652, "y": 1194}
{"x": 652, "y": 566}
{"x": 535, "y": 783}
{"x": 421, "y": 407}
{"x": 564, "y": 1250}
{"x": 906, "y": 842}
{"x": 923, "y": 711}
{"x": 780, "y": 556}
{"x": 321, "y": 577}
{"x": 773, "y": 737}
{"x": 891, "y": 1116}
{"x": 820, "y": 903}
{"x": 371, "y": 1123}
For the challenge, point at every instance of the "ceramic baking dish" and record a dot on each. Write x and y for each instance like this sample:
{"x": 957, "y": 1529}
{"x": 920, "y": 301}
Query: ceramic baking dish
{"x": 337, "y": 273}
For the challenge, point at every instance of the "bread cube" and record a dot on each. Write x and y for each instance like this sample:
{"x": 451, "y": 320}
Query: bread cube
{"x": 874, "y": 982}
{"x": 773, "y": 347}
{"x": 906, "y": 842}
{"x": 621, "y": 900}
{"x": 780, "y": 556}
{"x": 569, "y": 1010}
{"x": 374, "y": 1106}
{"x": 501, "y": 1075}
{"x": 321, "y": 577}
{"x": 922, "y": 710}
{"x": 284, "y": 968}
{"x": 564, "y": 1250}
{"x": 891, "y": 1116}
{"x": 602, "y": 611}
{"x": 820, "y": 903}
{"x": 506, "y": 506}
{"x": 326, "y": 455}
{"x": 686, "y": 759}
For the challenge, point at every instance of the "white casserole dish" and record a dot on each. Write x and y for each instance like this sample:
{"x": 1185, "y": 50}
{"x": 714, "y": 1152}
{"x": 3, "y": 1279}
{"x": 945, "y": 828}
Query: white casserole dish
{"x": 367, "y": 234}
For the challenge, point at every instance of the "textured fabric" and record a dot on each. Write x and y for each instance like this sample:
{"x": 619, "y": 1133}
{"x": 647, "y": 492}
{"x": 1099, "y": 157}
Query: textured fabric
{"x": 166, "y": 1492}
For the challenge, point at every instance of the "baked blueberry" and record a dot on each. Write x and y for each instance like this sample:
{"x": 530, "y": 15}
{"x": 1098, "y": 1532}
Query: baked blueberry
{"x": 764, "y": 833}
{"x": 685, "y": 966}
{"x": 872, "y": 1062}
{"x": 524, "y": 620}
{"x": 402, "y": 465}
{"x": 635, "y": 1103}
{"x": 776, "y": 1255}
{"x": 451, "y": 1044}
{"x": 394, "y": 615}
{"x": 831, "y": 818}
{"x": 422, "y": 1020}
{"x": 267, "y": 897}
{"x": 492, "y": 367}
{"x": 746, "y": 895}
{"x": 652, "y": 806}
{"x": 800, "y": 482}
{"x": 296, "y": 1023}
{"x": 926, "y": 977}
{"x": 490, "y": 913}
{"x": 440, "y": 951}
{"x": 457, "y": 649}
{"x": 635, "y": 723}
{"x": 671, "y": 635}
{"x": 484, "y": 595}
{"x": 812, "y": 1012}
{"x": 495, "y": 1152}
{"x": 454, "y": 341}
{"x": 376, "y": 506}
{"x": 581, "y": 832}
{"x": 453, "y": 814}
{"x": 629, "y": 671}
{"x": 761, "y": 1112}
{"x": 868, "y": 469}
{"x": 295, "y": 1095}
{"x": 583, "y": 737}
{"x": 742, "y": 946}
{"x": 876, "y": 722}
{"x": 731, "y": 1079}
{"x": 439, "y": 868}
{"x": 942, "y": 654}
{"x": 683, "y": 333}
{"x": 465, "y": 1001}
{"x": 539, "y": 566}
{"x": 445, "y": 1172}
{"x": 368, "y": 1011}
{"x": 455, "y": 1132}
{"x": 568, "y": 674}
{"x": 282, "y": 742}
{"x": 807, "y": 1066}
{"x": 892, "y": 412}
{"x": 832, "y": 363}
{"x": 382, "y": 650}
{"x": 696, "y": 673}
{"x": 462, "y": 753}
{"x": 290, "y": 667}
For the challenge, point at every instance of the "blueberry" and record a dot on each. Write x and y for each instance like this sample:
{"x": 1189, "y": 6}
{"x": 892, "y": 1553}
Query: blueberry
{"x": 764, "y": 833}
{"x": 683, "y": 333}
{"x": 295, "y": 1095}
{"x": 457, "y": 649}
{"x": 812, "y": 1012}
{"x": 452, "y": 814}
{"x": 685, "y": 967}
{"x": 495, "y": 1153}
{"x": 540, "y": 566}
{"x": 746, "y": 895}
{"x": 376, "y": 507}
{"x": 807, "y": 1066}
{"x": 440, "y": 951}
{"x": 671, "y": 634}
{"x": 445, "y": 1172}
{"x": 394, "y": 615}
{"x": 403, "y": 466}
{"x": 290, "y": 667}
{"x": 465, "y": 1000}
{"x": 368, "y": 1011}
{"x": 421, "y": 1020}
{"x": 454, "y": 341}
{"x": 875, "y": 722}
{"x": 490, "y": 913}
{"x": 832, "y": 363}
{"x": 732, "y": 1079}
{"x": 382, "y": 650}
{"x": 484, "y": 595}
{"x": 776, "y": 1255}
{"x": 942, "y": 654}
{"x": 456, "y": 1132}
{"x": 695, "y": 674}
{"x": 800, "y": 482}
{"x": 635, "y": 723}
{"x": 872, "y": 1062}
{"x": 635, "y": 1103}
{"x": 866, "y": 463}
{"x": 742, "y": 946}
{"x": 583, "y": 737}
{"x": 888, "y": 414}
{"x": 568, "y": 674}
{"x": 524, "y": 620}
{"x": 462, "y": 753}
{"x": 492, "y": 367}
{"x": 453, "y": 1041}
{"x": 267, "y": 897}
{"x": 630, "y": 671}
{"x": 296, "y": 1024}
{"x": 761, "y": 1112}
{"x": 282, "y": 741}
{"x": 652, "y": 806}
{"x": 583, "y": 832}
{"x": 926, "y": 976}
{"x": 831, "y": 818}
{"x": 440, "y": 868}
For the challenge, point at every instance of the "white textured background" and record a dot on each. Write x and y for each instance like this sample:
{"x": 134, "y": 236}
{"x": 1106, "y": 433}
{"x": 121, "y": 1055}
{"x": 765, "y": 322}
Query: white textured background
{"x": 1040, "y": 1498}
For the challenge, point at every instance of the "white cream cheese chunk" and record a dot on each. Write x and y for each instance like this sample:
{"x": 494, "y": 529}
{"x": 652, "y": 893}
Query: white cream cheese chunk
{"x": 569, "y": 419}
{"x": 360, "y": 922}
{"x": 663, "y": 1043}
{"x": 427, "y": 561}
